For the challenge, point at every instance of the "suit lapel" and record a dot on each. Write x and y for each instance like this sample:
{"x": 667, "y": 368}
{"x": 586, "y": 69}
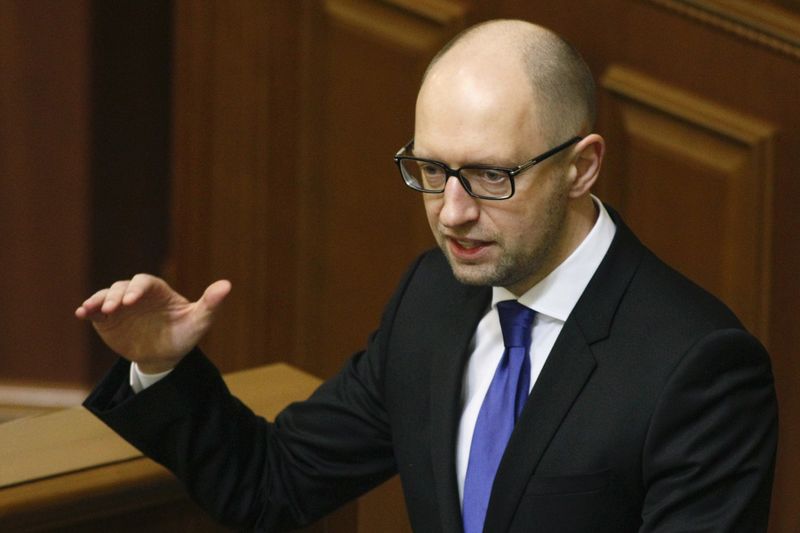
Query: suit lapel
{"x": 568, "y": 368}
{"x": 449, "y": 351}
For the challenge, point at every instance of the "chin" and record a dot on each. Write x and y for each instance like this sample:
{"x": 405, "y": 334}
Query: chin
{"x": 487, "y": 273}
{"x": 474, "y": 275}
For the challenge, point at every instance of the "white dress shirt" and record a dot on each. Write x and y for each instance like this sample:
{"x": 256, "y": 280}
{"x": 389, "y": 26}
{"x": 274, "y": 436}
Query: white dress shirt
{"x": 140, "y": 381}
{"x": 553, "y": 299}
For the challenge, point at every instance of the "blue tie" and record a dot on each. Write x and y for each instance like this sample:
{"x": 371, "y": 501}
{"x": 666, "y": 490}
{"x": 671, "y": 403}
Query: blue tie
{"x": 499, "y": 412}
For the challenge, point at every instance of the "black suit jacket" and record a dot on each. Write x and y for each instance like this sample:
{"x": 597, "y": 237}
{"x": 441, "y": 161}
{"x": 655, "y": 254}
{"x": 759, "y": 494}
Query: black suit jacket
{"x": 655, "y": 411}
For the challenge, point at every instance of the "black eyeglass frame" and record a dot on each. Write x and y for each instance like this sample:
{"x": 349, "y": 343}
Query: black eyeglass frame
{"x": 456, "y": 173}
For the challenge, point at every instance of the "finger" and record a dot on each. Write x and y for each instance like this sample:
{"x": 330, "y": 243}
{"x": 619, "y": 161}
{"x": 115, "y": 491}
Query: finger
{"x": 95, "y": 301}
{"x": 140, "y": 284}
{"x": 114, "y": 296}
{"x": 82, "y": 313}
{"x": 90, "y": 308}
{"x": 215, "y": 294}
{"x": 95, "y": 317}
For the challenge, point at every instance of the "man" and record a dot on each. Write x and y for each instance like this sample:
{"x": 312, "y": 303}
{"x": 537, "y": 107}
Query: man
{"x": 625, "y": 398}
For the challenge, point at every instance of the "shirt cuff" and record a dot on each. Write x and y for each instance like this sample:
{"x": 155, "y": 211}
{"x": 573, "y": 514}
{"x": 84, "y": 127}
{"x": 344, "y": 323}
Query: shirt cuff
{"x": 140, "y": 381}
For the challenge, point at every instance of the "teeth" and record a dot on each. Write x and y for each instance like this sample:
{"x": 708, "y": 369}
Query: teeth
{"x": 468, "y": 244}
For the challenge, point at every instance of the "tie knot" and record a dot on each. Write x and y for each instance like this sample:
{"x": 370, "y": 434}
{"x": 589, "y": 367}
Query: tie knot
{"x": 516, "y": 321}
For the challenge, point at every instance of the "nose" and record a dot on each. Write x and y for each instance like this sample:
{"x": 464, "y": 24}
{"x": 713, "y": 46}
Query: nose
{"x": 458, "y": 207}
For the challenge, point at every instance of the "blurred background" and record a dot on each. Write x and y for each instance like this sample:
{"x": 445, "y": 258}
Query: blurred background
{"x": 253, "y": 140}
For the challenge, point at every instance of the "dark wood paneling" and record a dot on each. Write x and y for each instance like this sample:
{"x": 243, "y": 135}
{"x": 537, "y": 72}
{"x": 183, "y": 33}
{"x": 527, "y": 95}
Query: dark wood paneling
{"x": 84, "y": 159}
{"x": 763, "y": 23}
{"x": 358, "y": 225}
{"x": 234, "y": 203}
{"x": 44, "y": 191}
{"x": 234, "y": 163}
{"x": 696, "y": 180}
{"x": 130, "y": 146}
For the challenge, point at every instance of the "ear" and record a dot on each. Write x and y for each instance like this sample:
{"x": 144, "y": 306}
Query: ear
{"x": 585, "y": 165}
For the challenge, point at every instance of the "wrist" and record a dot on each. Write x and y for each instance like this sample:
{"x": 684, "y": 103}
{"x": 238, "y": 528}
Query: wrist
{"x": 155, "y": 367}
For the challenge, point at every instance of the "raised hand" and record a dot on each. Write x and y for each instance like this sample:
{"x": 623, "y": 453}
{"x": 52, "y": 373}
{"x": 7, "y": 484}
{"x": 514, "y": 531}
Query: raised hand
{"x": 144, "y": 320}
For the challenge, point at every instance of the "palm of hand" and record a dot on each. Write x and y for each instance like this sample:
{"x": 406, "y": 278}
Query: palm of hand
{"x": 146, "y": 321}
{"x": 159, "y": 328}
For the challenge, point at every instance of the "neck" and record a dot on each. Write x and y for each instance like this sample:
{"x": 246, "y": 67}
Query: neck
{"x": 579, "y": 220}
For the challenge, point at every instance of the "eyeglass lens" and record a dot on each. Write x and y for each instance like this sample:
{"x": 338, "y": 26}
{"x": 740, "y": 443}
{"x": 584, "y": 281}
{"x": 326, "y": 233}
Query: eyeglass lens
{"x": 429, "y": 176}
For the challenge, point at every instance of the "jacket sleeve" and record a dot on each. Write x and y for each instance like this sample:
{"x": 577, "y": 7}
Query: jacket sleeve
{"x": 245, "y": 471}
{"x": 709, "y": 456}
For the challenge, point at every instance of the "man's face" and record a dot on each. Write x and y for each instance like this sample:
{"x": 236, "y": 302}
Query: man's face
{"x": 511, "y": 243}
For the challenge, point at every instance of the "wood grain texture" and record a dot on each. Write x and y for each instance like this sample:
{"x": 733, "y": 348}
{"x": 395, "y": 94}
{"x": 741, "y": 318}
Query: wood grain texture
{"x": 44, "y": 189}
{"x": 66, "y": 471}
{"x": 766, "y": 24}
{"x": 83, "y": 165}
{"x": 358, "y": 225}
{"x": 705, "y": 204}
{"x": 234, "y": 167}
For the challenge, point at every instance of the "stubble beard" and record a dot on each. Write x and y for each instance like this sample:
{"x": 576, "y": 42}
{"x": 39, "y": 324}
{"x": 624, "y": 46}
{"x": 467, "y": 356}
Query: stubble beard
{"x": 516, "y": 267}
{"x": 510, "y": 269}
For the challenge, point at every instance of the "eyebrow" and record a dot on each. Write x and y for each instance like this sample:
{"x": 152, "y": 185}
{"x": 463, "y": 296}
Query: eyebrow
{"x": 470, "y": 163}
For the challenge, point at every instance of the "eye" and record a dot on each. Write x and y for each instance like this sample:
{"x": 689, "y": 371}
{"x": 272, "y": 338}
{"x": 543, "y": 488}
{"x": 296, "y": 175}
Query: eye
{"x": 488, "y": 176}
{"x": 429, "y": 174}
{"x": 492, "y": 176}
{"x": 429, "y": 170}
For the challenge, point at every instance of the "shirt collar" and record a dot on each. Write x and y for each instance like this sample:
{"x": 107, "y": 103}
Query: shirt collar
{"x": 557, "y": 294}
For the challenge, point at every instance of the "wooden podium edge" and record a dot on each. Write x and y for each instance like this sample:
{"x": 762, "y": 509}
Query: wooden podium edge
{"x": 125, "y": 483}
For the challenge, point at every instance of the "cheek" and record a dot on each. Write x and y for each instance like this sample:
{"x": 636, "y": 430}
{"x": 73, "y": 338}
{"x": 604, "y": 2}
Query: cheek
{"x": 522, "y": 226}
{"x": 432, "y": 207}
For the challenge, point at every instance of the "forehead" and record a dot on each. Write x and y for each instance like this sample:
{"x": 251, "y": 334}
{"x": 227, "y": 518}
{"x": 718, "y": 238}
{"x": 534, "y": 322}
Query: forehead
{"x": 475, "y": 110}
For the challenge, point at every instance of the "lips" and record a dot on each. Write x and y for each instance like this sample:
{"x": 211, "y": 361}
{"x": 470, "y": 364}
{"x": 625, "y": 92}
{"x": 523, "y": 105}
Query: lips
{"x": 467, "y": 248}
{"x": 468, "y": 245}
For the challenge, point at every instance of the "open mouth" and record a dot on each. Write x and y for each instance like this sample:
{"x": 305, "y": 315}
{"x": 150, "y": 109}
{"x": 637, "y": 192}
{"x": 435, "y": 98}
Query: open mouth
{"x": 467, "y": 248}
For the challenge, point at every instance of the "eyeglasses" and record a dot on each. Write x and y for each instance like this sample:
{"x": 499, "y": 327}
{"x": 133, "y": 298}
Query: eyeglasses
{"x": 480, "y": 181}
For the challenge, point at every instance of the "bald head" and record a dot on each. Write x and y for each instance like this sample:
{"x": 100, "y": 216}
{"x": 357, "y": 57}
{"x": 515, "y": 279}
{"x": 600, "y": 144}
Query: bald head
{"x": 542, "y": 66}
{"x": 496, "y": 98}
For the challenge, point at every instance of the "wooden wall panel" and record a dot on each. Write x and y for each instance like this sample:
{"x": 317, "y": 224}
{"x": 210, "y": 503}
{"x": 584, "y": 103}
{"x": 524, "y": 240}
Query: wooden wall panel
{"x": 760, "y": 22}
{"x": 44, "y": 191}
{"x": 84, "y": 156}
{"x": 696, "y": 181}
{"x": 130, "y": 150}
{"x": 234, "y": 166}
{"x": 359, "y": 226}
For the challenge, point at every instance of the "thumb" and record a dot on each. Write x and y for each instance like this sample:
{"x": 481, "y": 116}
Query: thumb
{"x": 214, "y": 295}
